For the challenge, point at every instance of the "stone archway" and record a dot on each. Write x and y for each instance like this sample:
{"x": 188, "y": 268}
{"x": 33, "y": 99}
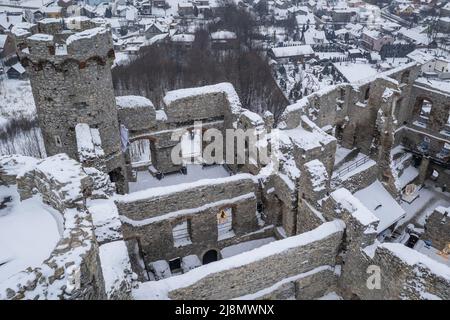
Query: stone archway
{"x": 210, "y": 256}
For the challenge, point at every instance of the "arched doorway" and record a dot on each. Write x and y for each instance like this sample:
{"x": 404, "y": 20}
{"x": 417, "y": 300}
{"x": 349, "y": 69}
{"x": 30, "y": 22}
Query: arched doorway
{"x": 210, "y": 256}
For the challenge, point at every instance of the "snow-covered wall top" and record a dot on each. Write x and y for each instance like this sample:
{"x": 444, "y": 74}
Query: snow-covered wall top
{"x": 201, "y": 102}
{"x": 224, "y": 278}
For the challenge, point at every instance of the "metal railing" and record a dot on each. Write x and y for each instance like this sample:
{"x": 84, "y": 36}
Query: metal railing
{"x": 351, "y": 167}
{"x": 399, "y": 159}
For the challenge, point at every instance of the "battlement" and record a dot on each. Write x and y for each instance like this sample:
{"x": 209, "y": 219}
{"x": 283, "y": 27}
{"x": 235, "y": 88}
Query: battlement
{"x": 95, "y": 43}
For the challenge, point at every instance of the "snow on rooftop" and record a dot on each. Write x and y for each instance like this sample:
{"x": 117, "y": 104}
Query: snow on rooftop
{"x": 420, "y": 56}
{"x": 355, "y": 71}
{"x": 41, "y": 37}
{"x": 160, "y": 289}
{"x": 87, "y": 34}
{"x": 291, "y": 51}
{"x": 223, "y": 35}
{"x": 380, "y": 202}
{"x": 354, "y": 206}
{"x": 133, "y": 102}
{"x": 183, "y": 37}
{"x": 49, "y": 20}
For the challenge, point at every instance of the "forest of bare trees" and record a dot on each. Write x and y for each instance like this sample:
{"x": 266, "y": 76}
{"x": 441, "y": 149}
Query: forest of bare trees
{"x": 166, "y": 67}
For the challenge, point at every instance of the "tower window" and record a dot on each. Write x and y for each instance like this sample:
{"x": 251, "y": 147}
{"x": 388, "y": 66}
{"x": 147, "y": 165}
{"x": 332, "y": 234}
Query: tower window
{"x": 225, "y": 223}
{"x": 58, "y": 141}
{"x": 181, "y": 234}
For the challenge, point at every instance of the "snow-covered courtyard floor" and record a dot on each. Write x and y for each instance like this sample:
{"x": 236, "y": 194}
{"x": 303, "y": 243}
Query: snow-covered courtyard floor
{"x": 194, "y": 172}
{"x": 429, "y": 198}
{"x": 244, "y": 246}
{"x": 431, "y": 252}
{"x": 28, "y": 232}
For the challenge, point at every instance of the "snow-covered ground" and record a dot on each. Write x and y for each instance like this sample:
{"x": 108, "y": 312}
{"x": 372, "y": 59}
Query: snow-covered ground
{"x": 17, "y": 103}
{"x": 244, "y": 246}
{"x": 29, "y": 231}
{"x": 16, "y": 99}
{"x": 431, "y": 252}
{"x": 331, "y": 296}
{"x": 194, "y": 172}
{"x": 429, "y": 198}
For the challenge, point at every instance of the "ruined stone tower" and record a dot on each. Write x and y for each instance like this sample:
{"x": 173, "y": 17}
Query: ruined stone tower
{"x": 71, "y": 81}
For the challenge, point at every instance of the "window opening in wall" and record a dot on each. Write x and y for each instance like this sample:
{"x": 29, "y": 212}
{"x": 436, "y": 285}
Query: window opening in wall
{"x": 424, "y": 145}
{"x": 405, "y": 77}
{"x": 446, "y": 129}
{"x": 367, "y": 94}
{"x": 225, "y": 223}
{"x": 181, "y": 234}
{"x": 425, "y": 110}
{"x": 444, "y": 153}
{"x": 140, "y": 153}
{"x": 175, "y": 265}
{"x": 58, "y": 141}
{"x": 191, "y": 147}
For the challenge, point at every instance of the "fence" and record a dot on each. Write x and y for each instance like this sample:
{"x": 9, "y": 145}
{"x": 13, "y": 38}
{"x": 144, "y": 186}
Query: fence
{"x": 351, "y": 167}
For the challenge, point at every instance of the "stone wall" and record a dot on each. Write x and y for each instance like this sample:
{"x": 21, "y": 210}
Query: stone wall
{"x": 437, "y": 228}
{"x": 405, "y": 274}
{"x": 150, "y": 215}
{"x": 136, "y": 113}
{"x": 248, "y": 274}
{"x": 261, "y": 274}
{"x": 357, "y": 181}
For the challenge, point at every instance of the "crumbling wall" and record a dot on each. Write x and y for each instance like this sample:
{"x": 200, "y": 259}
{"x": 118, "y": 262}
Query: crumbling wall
{"x": 437, "y": 228}
{"x": 404, "y": 274}
{"x": 136, "y": 113}
{"x": 150, "y": 215}
{"x": 264, "y": 270}
{"x": 72, "y": 270}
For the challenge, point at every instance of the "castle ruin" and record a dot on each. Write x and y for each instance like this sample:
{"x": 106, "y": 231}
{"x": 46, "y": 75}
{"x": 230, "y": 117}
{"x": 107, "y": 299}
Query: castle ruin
{"x": 129, "y": 240}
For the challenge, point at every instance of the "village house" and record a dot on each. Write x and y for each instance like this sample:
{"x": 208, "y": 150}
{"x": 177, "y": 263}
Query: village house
{"x": 154, "y": 29}
{"x": 223, "y": 39}
{"x": 146, "y": 8}
{"x": 292, "y": 53}
{"x": 7, "y": 46}
{"x": 185, "y": 8}
{"x": 182, "y": 40}
{"x": 16, "y": 71}
{"x": 159, "y": 3}
{"x": 375, "y": 40}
